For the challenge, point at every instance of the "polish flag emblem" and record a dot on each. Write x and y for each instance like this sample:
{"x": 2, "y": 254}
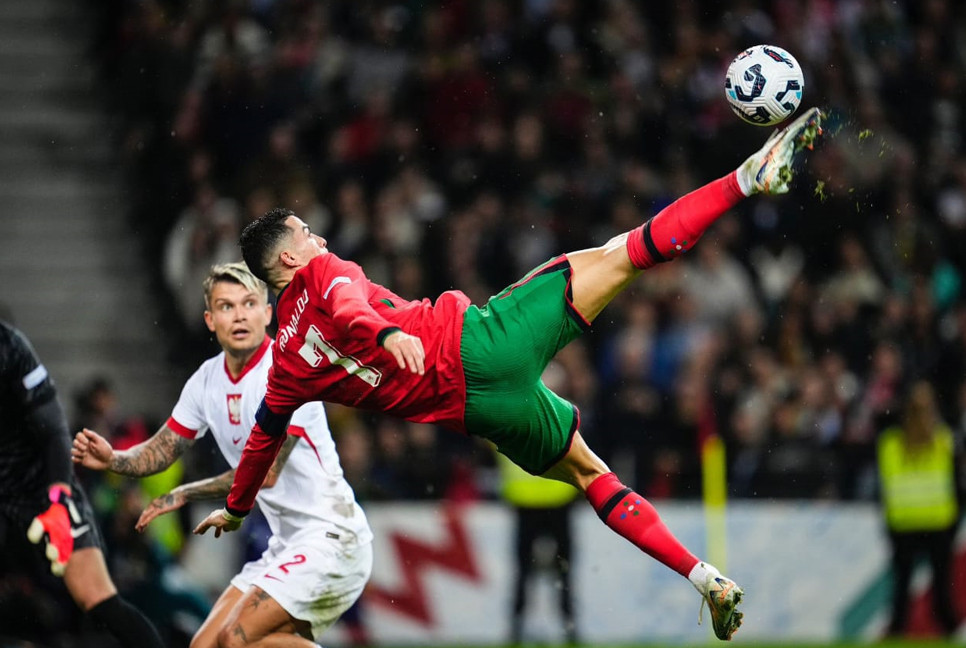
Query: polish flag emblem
{"x": 234, "y": 409}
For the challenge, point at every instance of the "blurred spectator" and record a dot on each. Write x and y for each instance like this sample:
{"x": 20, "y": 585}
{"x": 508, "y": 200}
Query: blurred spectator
{"x": 96, "y": 407}
{"x": 378, "y": 63}
{"x": 877, "y": 406}
{"x": 920, "y": 498}
{"x": 231, "y": 34}
{"x": 856, "y": 282}
{"x": 716, "y": 283}
{"x": 542, "y": 509}
{"x": 147, "y": 574}
{"x": 205, "y": 234}
{"x": 280, "y": 165}
{"x": 300, "y": 193}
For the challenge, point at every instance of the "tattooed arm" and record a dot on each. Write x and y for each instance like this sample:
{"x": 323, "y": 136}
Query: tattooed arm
{"x": 276, "y": 468}
{"x": 91, "y": 450}
{"x": 211, "y": 488}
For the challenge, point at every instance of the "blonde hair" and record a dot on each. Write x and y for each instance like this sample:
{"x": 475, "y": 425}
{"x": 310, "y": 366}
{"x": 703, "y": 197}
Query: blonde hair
{"x": 236, "y": 273}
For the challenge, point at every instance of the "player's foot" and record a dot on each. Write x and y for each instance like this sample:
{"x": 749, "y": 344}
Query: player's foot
{"x": 722, "y": 596}
{"x": 769, "y": 171}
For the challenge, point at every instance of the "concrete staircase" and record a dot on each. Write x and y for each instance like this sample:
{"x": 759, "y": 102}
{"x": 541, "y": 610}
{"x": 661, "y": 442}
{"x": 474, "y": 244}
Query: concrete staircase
{"x": 70, "y": 275}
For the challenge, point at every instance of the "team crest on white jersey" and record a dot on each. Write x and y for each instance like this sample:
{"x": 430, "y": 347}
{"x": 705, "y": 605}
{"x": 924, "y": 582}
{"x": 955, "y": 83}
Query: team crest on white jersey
{"x": 234, "y": 408}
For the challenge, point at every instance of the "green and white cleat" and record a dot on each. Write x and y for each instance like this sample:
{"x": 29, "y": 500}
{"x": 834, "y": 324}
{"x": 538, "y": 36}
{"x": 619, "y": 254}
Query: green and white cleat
{"x": 722, "y": 596}
{"x": 769, "y": 171}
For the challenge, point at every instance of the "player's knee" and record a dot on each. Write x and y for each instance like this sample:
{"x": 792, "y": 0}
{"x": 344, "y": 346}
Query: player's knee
{"x": 582, "y": 464}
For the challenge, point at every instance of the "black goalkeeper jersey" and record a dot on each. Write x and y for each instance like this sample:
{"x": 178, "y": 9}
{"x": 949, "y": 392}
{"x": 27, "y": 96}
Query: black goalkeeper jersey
{"x": 34, "y": 436}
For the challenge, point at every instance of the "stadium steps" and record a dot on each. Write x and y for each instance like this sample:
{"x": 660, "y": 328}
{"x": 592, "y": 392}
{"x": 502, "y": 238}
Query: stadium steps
{"x": 69, "y": 267}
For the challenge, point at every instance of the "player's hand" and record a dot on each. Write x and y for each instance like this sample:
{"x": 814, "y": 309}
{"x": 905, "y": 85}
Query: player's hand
{"x": 164, "y": 504}
{"x": 221, "y": 521}
{"x": 55, "y": 528}
{"x": 91, "y": 450}
{"x": 407, "y": 350}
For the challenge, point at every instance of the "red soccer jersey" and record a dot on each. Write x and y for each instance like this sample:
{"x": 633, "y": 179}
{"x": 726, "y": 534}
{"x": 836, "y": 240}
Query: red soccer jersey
{"x": 329, "y": 320}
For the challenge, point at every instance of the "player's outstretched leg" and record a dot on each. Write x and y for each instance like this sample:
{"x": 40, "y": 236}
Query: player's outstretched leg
{"x": 675, "y": 229}
{"x": 601, "y": 273}
{"x": 722, "y": 596}
{"x": 769, "y": 171}
{"x": 634, "y": 518}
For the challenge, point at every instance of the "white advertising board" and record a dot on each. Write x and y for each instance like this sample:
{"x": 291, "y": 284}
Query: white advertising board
{"x": 445, "y": 575}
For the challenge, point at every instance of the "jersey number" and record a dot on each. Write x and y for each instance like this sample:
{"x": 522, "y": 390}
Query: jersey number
{"x": 299, "y": 559}
{"x": 317, "y": 347}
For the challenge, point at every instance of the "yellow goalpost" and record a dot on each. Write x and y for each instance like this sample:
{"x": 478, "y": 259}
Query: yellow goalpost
{"x": 714, "y": 491}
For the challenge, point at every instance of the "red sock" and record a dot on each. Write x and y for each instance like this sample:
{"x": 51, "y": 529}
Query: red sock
{"x": 676, "y": 227}
{"x": 633, "y": 517}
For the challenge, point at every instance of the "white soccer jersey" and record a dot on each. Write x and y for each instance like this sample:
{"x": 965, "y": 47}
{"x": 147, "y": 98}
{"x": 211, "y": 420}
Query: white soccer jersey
{"x": 311, "y": 490}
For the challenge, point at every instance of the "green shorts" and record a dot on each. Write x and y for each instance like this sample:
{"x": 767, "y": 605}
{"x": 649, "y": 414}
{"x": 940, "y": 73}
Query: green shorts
{"x": 505, "y": 347}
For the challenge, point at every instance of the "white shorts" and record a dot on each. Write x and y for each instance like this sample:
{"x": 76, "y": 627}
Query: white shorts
{"x": 312, "y": 576}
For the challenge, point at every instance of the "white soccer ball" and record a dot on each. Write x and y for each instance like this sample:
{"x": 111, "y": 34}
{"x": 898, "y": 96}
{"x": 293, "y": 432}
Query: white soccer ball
{"x": 764, "y": 85}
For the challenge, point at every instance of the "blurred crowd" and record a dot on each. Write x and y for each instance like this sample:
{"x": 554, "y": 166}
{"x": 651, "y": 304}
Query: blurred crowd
{"x": 457, "y": 144}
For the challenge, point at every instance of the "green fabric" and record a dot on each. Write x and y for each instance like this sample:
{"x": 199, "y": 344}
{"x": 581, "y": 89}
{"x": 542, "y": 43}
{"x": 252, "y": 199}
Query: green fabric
{"x": 505, "y": 347}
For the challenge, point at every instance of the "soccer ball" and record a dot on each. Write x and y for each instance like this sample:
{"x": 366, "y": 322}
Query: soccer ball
{"x": 764, "y": 85}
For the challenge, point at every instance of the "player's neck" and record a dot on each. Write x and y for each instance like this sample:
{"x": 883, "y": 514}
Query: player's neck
{"x": 236, "y": 361}
{"x": 280, "y": 287}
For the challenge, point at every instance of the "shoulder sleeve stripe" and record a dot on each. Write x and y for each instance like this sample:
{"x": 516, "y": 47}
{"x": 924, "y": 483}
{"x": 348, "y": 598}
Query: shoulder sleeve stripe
{"x": 335, "y": 282}
{"x": 298, "y": 431}
{"x": 181, "y": 430}
{"x": 35, "y": 377}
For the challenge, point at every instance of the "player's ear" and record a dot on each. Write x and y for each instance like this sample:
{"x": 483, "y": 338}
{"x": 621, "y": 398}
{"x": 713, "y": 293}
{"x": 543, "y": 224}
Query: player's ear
{"x": 287, "y": 259}
{"x": 209, "y": 322}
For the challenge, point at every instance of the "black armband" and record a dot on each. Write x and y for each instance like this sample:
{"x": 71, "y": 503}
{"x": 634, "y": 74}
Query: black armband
{"x": 386, "y": 332}
{"x": 651, "y": 245}
{"x": 272, "y": 424}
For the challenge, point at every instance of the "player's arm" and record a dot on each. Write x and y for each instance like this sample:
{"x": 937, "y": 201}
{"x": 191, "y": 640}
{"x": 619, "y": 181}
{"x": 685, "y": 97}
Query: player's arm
{"x": 47, "y": 426}
{"x": 210, "y": 488}
{"x": 91, "y": 450}
{"x": 348, "y": 304}
{"x": 280, "y": 460}
{"x": 263, "y": 446}
{"x": 28, "y": 384}
{"x": 44, "y": 422}
{"x": 406, "y": 349}
{"x": 25, "y": 380}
